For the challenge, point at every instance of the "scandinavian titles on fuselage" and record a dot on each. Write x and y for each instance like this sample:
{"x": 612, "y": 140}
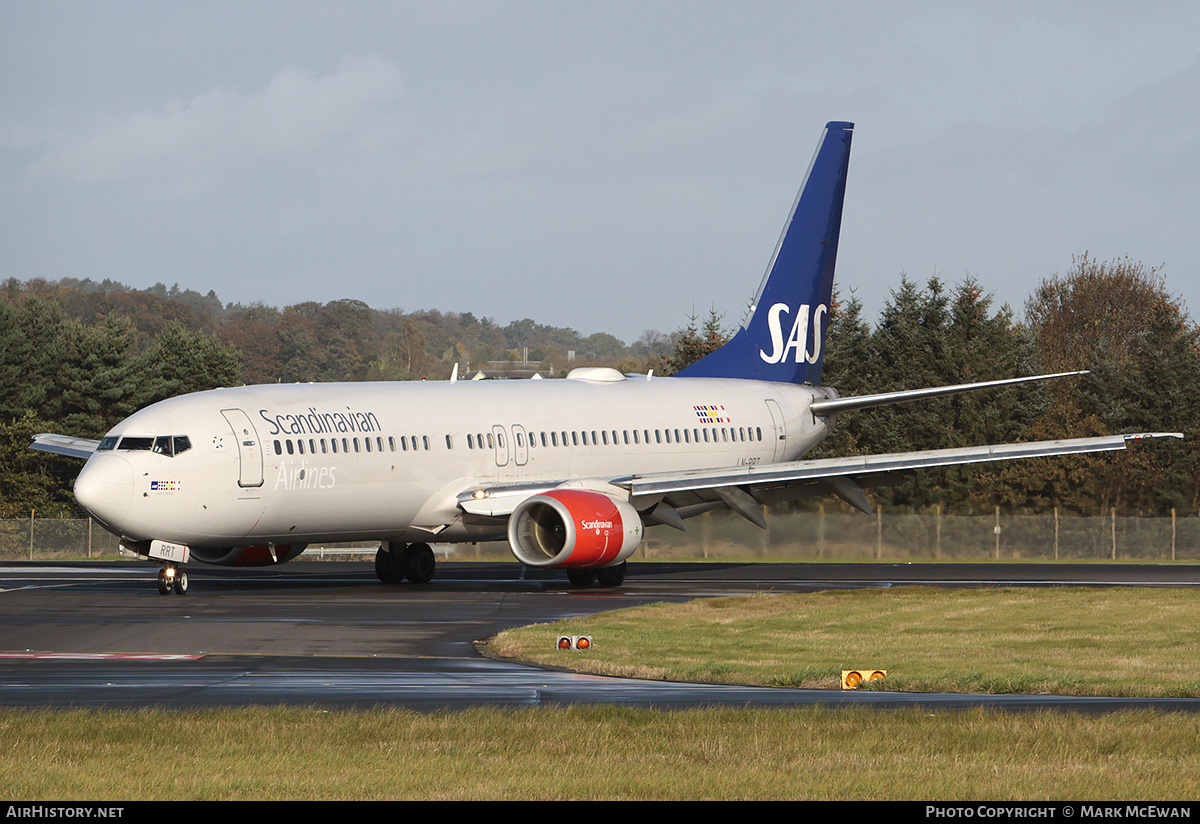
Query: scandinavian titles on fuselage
{"x": 805, "y": 329}
{"x": 313, "y": 422}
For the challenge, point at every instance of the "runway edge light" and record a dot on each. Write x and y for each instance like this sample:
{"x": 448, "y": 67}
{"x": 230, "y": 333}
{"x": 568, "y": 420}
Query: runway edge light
{"x": 574, "y": 642}
{"x": 852, "y": 678}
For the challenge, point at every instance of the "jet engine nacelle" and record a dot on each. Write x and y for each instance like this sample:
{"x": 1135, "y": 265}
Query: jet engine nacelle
{"x": 248, "y": 555}
{"x": 573, "y": 528}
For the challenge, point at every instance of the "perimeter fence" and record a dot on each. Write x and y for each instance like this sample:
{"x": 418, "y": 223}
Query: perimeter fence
{"x": 789, "y": 536}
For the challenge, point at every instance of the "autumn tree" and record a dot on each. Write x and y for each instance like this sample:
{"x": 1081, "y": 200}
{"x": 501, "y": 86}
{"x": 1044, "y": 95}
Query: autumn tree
{"x": 1117, "y": 320}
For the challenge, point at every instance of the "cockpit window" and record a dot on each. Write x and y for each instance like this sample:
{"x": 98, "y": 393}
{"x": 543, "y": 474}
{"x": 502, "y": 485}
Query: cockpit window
{"x": 108, "y": 443}
{"x": 169, "y": 445}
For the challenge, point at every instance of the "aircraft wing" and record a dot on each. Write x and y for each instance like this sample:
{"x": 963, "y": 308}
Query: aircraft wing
{"x": 63, "y": 445}
{"x": 861, "y": 467}
{"x": 745, "y": 488}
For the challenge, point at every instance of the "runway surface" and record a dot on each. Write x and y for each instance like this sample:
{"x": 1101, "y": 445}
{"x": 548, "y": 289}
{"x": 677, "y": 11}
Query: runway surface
{"x": 329, "y": 634}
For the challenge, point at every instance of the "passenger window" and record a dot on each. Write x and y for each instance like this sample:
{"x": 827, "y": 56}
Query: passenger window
{"x": 290, "y": 448}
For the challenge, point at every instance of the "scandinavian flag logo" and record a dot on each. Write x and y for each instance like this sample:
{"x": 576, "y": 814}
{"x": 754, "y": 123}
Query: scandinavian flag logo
{"x": 711, "y": 414}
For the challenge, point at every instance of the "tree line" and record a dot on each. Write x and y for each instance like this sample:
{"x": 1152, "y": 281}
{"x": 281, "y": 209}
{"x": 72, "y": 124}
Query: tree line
{"x": 77, "y": 356}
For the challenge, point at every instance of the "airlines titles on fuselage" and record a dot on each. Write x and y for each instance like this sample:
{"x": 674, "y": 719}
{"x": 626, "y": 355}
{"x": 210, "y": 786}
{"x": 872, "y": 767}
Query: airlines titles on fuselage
{"x": 303, "y": 476}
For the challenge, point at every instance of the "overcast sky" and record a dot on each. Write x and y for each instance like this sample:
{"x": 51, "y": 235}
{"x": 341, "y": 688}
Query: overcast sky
{"x": 604, "y": 166}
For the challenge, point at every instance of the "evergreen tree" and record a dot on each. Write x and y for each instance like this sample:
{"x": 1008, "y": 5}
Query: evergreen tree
{"x": 179, "y": 362}
{"x": 692, "y": 343}
{"x": 100, "y": 381}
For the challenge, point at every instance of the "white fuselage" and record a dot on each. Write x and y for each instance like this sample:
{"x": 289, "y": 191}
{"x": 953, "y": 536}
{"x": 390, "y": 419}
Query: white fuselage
{"x": 297, "y": 463}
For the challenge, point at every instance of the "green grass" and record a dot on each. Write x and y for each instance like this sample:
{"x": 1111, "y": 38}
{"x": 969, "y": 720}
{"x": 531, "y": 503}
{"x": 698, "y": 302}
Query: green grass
{"x": 596, "y": 753}
{"x": 1081, "y": 641}
{"x": 1118, "y": 642}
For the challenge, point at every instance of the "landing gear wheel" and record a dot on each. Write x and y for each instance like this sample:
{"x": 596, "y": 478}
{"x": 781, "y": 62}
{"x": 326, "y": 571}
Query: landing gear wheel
{"x": 612, "y": 576}
{"x": 164, "y": 583}
{"x": 581, "y": 577}
{"x": 387, "y": 566}
{"x": 181, "y": 582}
{"x": 418, "y": 563}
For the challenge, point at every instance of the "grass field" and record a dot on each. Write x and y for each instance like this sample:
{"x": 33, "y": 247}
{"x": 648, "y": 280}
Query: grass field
{"x": 1072, "y": 641}
{"x": 1082, "y": 641}
{"x": 597, "y": 753}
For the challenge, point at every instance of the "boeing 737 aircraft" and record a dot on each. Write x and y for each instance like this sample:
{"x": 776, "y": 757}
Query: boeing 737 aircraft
{"x": 570, "y": 471}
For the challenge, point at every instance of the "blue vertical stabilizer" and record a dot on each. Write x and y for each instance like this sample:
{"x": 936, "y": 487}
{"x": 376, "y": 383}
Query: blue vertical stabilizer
{"x": 783, "y": 339}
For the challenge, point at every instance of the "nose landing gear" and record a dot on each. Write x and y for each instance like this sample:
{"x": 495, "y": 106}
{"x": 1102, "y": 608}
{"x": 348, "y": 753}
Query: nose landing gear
{"x": 172, "y": 578}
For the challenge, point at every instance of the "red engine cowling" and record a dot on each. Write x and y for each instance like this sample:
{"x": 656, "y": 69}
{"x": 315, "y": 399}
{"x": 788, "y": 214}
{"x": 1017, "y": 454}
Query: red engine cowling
{"x": 248, "y": 555}
{"x": 573, "y": 528}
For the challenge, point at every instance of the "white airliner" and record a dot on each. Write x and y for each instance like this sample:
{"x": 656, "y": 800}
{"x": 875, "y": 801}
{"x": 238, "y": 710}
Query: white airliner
{"x": 569, "y": 471}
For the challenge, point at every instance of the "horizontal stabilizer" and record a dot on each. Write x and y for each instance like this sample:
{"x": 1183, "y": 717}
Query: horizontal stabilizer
{"x": 63, "y": 445}
{"x": 831, "y": 407}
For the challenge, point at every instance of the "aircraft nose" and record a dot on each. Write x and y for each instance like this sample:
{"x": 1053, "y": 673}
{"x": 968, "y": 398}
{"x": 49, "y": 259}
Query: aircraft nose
{"x": 105, "y": 488}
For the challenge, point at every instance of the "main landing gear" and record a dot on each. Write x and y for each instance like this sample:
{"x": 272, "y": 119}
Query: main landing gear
{"x": 172, "y": 578}
{"x": 612, "y": 576}
{"x": 412, "y": 561}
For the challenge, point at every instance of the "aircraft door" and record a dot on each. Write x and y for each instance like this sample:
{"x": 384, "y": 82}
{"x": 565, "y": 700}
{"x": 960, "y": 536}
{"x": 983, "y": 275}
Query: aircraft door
{"x": 249, "y": 451}
{"x": 780, "y": 431}
{"x": 500, "y": 439}
{"x": 520, "y": 441}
